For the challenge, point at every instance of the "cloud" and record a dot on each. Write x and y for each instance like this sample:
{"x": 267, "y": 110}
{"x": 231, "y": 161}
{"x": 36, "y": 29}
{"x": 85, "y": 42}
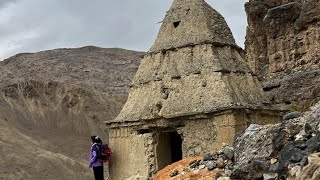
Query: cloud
{"x": 34, "y": 25}
{"x": 5, "y": 2}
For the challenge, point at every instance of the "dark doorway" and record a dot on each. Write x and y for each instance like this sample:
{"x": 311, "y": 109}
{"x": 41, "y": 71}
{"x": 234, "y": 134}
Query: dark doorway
{"x": 176, "y": 146}
{"x": 169, "y": 149}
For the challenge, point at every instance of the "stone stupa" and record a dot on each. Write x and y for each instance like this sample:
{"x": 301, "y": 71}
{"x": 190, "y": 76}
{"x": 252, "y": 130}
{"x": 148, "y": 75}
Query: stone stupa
{"x": 192, "y": 93}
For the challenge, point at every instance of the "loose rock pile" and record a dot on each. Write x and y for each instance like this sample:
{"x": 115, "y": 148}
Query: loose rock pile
{"x": 223, "y": 159}
{"x": 288, "y": 150}
{"x": 277, "y": 151}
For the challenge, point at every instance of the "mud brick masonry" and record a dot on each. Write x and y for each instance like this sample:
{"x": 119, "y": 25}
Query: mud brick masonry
{"x": 192, "y": 93}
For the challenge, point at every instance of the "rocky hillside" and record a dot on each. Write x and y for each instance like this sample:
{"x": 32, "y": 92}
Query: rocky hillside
{"x": 52, "y": 101}
{"x": 283, "y": 49}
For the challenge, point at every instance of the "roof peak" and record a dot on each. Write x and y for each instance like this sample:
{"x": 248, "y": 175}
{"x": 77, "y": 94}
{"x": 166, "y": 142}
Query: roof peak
{"x": 192, "y": 22}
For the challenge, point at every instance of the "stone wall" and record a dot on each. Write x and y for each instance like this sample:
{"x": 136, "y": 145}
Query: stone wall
{"x": 142, "y": 152}
{"x": 283, "y": 49}
{"x": 129, "y": 159}
{"x": 209, "y": 135}
{"x": 191, "y": 80}
{"x": 197, "y": 137}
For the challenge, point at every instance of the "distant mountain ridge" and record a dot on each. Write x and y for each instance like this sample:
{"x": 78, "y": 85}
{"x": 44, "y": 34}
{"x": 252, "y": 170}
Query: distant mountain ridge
{"x": 102, "y": 69}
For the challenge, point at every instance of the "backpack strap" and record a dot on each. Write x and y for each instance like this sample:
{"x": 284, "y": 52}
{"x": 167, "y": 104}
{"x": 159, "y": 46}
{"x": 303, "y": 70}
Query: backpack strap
{"x": 96, "y": 146}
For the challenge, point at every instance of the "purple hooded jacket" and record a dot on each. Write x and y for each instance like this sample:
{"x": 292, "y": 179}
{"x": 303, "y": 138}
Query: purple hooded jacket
{"x": 94, "y": 162}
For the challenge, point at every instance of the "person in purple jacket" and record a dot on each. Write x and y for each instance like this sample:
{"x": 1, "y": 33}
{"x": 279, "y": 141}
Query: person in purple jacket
{"x": 94, "y": 162}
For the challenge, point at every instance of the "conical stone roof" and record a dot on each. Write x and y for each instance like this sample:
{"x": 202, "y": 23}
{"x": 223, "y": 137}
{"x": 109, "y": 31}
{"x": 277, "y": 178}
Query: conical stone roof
{"x": 195, "y": 70}
{"x": 192, "y": 22}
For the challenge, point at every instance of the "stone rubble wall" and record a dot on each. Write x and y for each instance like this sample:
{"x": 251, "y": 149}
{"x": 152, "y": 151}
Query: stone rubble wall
{"x": 198, "y": 137}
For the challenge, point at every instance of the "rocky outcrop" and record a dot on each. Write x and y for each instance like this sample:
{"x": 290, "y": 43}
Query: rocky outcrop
{"x": 54, "y": 100}
{"x": 282, "y": 149}
{"x": 282, "y": 48}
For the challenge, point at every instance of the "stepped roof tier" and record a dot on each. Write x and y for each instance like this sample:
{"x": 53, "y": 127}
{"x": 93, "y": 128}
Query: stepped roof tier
{"x": 194, "y": 67}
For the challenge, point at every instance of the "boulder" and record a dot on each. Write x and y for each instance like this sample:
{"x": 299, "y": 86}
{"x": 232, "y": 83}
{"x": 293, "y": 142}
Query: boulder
{"x": 228, "y": 152}
{"x": 289, "y": 11}
{"x": 292, "y": 115}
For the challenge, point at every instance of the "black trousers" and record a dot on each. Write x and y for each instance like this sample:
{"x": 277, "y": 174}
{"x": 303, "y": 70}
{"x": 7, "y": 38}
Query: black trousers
{"x": 98, "y": 173}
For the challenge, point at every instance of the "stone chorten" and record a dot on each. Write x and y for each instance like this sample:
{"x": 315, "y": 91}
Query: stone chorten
{"x": 192, "y": 93}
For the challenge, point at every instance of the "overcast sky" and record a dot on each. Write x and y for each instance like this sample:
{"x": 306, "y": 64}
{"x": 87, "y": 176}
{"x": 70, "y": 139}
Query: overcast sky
{"x": 34, "y": 25}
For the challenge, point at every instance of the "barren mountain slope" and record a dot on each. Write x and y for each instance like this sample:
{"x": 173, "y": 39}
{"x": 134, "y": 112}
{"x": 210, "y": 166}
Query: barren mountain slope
{"x": 52, "y": 101}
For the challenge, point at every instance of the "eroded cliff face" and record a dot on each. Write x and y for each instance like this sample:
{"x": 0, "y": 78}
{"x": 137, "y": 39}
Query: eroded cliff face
{"x": 52, "y": 101}
{"x": 282, "y": 48}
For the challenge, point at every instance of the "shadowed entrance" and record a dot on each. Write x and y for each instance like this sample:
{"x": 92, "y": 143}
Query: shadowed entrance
{"x": 169, "y": 149}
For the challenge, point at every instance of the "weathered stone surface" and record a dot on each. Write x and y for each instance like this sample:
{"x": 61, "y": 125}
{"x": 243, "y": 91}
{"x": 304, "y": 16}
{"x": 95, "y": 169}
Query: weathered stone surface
{"x": 195, "y": 141}
{"x": 211, "y": 165}
{"x": 135, "y": 156}
{"x": 220, "y": 163}
{"x": 289, "y": 154}
{"x": 288, "y": 12}
{"x": 312, "y": 170}
{"x": 253, "y": 170}
{"x": 284, "y": 51}
{"x": 310, "y": 15}
{"x": 174, "y": 173}
{"x": 207, "y": 157}
{"x": 188, "y": 97}
{"x": 292, "y": 115}
{"x": 270, "y": 176}
{"x": 228, "y": 152}
{"x": 192, "y": 22}
{"x": 194, "y": 164}
{"x": 313, "y": 144}
{"x": 191, "y": 60}
{"x": 217, "y": 176}
{"x": 297, "y": 91}
{"x": 223, "y": 178}
{"x": 276, "y": 141}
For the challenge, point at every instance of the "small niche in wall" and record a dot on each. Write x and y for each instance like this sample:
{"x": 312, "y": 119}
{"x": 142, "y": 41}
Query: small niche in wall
{"x": 176, "y": 24}
{"x": 143, "y": 131}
